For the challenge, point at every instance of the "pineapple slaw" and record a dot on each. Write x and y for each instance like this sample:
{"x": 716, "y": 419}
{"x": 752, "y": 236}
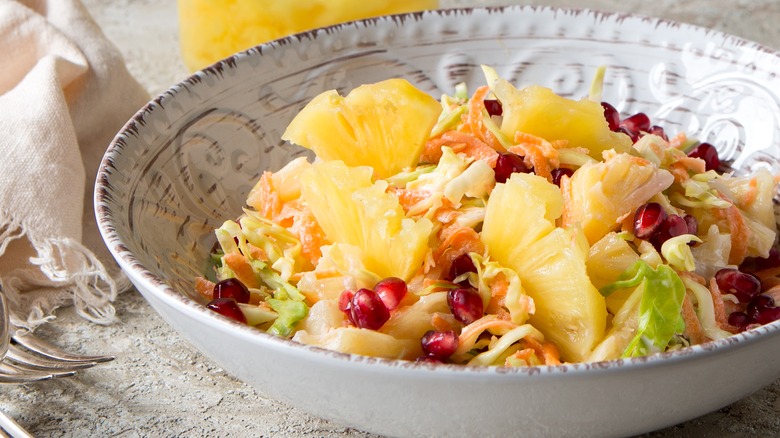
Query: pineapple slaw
{"x": 408, "y": 187}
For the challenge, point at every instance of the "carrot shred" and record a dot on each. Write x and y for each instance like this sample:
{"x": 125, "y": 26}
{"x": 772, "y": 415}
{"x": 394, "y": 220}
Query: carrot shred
{"x": 474, "y": 120}
{"x": 545, "y": 350}
{"x": 238, "y": 263}
{"x": 264, "y": 197}
{"x": 458, "y": 241}
{"x": 693, "y": 329}
{"x": 720, "y": 310}
{"x": 461, "y": 142}
{"x": 439, "y": 323}
{"x": 538, "y": 152}
{"x": 204, "y": 287}
{"x": 752, "y": 194}
{"x": 567, "y": 216}
{"x": 678, "y": 140}
{"x": 739, "y": 231}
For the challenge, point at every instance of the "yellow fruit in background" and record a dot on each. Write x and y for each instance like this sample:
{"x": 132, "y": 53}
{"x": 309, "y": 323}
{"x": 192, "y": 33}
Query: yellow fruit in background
{"x": 352, "y": 210}
{"x": 214, "y": 29}
{"x": 539, "y": 111}
{"x": 383, "y": 125}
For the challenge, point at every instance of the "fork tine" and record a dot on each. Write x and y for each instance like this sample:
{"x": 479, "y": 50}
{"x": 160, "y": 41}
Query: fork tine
{"x": 10, "y": 373}
{"x": 44, "y": 348}
{"x": 34, "y": 362}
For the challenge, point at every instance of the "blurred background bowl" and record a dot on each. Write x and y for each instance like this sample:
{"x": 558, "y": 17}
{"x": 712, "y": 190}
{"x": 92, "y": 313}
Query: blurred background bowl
{"x": 187, "y": 160}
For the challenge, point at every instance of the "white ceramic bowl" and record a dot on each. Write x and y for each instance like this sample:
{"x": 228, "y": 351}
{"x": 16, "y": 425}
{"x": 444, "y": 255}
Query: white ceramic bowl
{"x": 186, "y": 161}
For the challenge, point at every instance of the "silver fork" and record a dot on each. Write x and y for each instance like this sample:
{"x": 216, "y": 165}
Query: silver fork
{"x": 26, "y": 358}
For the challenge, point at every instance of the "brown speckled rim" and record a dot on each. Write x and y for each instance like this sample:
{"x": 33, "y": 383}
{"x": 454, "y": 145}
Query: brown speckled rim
{"x": 163, "y": 291}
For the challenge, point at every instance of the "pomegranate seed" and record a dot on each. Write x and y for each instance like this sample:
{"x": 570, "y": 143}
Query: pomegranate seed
{"x": 391, "y": 291}
{"x": 227, "y": 307}
{"x": 440, "y": 345}
{"x": 368, "y": 311}
{"x": 659, "y": 131}
{"x": 647, "y": 219}
{"x": 557, "y": 174}
{"x": 461, "y": 265}
{"x": 755, "y": 264}
{"x": 741, "y": 285}
{"x": 708, "y": 153}
{"x": 465, "y": 304}
{"x": 739, "y": 319}
{"x": 493, "y": 107}
{"x": 632, "y": 134}
{"x": 232, "y": 288}
{"x": 345, "y": 300}
{"x": 639, "y": 122}
{"x": 673, "y": 226}
{"x": 692, "y": 224}
{"x": 507, "y": 164}
{"x": 768, "y": 315}
{"x": 612, "y": 115}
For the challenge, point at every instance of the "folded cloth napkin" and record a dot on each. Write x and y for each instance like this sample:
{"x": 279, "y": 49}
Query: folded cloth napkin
{"x": 64, "y": 93}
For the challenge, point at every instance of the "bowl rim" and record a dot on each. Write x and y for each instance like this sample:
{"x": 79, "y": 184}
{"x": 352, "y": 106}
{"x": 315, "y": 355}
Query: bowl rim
{"x": 193, "y": 309}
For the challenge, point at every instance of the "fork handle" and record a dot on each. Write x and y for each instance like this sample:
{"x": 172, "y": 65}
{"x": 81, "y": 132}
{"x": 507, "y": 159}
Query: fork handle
{"x": 12, "y": 428}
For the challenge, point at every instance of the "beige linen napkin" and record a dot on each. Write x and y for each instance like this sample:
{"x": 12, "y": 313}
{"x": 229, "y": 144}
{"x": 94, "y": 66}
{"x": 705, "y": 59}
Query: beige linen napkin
{"x": 64, "y": 93}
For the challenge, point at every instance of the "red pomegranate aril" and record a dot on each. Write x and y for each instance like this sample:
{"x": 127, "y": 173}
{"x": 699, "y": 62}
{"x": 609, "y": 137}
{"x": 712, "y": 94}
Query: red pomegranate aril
{"x": 659, "y": 131}
{"x": 673, "y": 226}
{"x": 227, "y": 307}
{"x": 648, "y": 219}
{"x": 493, "y": 107}
{"x": 612, "y": 115}
{"x": 739, "y": 319}
{"x": 465, "y": 304}
{"x": 367, "y": 310}
{"x": 461, "y": 265}
{"x": 345, "y": 300}
{"x": 692, "y": 224}
{"x": 439, "y": 344}
{"x": 639, "y": 122}
{"x": 232, "y": 288}
{"x": 755, "y": 264}
{"x": 758, "y": 306}
{"x": 507, "y": 164}
{"x": 768, "y": 315}
{"x": 708, "y": 153}
{"x": 391, "y": 291}
{"x": 740, "y": 284}
{"x": 634, "y": 135}
{"x": 557, "y": 174}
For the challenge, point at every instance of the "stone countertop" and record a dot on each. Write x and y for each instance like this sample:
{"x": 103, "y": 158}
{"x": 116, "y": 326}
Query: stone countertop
{"x": 161, "y": 386}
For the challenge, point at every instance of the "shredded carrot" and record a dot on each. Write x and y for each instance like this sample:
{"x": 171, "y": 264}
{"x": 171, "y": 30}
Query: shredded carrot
{"x": 526, "y": 355}
{"x": 752, "y": 194}
{"x": 720, "y": 311}
{"x": 538, "y": 152}
{"x": 264, "y": 197}
{"x": 238, "y": 263}
{"x": 693, "y": 328}
{"x": 678, "y": 140}
{"x": 461, "y": 240}
{"x": 739, "y": 231}
{"x": 461, "y": 142}
{"x": 409, "y": 198}
{"x": 439, "y": 323}
{"x": 257, "y": 253}
{"x": 469, "y": 335}
{"x": 567, "y": 216}
{"x": 309, "y": 233}
{"x": 546, "y": 350}
{"x": 695, "y": 165}
{"x": 475, "y": 114}
{"x": 204, "y": 287}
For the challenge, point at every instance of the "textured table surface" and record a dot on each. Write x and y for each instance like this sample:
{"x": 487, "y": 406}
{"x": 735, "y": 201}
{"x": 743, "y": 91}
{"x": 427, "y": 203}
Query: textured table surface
{"x": 160, "y": 386}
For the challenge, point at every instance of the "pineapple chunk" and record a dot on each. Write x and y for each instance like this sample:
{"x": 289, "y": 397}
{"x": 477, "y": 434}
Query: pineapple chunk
{"x": 519, "y": 232}
{"x": 604, "y": 192}
{"x": 520, "y": 212}
{"x": 364, "y": 342}
{"x": 384, "y": 125}
{"x": 352, "y": 210}
{"x": 569, "y": 309}
{"x": 539, "y": 111}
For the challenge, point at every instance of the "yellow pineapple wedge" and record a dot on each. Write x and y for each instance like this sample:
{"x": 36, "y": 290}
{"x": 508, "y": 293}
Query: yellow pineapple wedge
{"x": 539, "y": 111}
{"x": 383, "y": 125}
{"x": 520, "y": 212}
{"x": 520, "y": 234}
{"x": 352, "y": 210}
{"x": 602, "y": 193}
